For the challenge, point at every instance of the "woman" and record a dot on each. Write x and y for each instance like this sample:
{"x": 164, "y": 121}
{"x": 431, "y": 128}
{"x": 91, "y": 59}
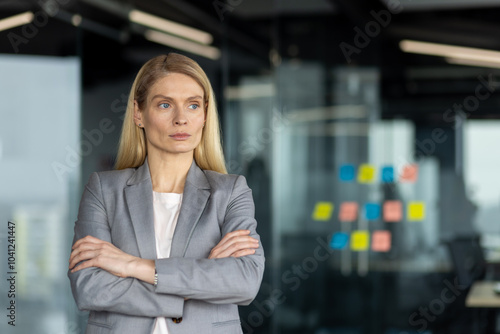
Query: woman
{"x": 167, "y": 243}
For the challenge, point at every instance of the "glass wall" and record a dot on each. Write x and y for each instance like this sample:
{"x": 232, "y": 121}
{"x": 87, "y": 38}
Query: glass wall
{"x": 366, "y": 163}
{"x": 40, "y": 174}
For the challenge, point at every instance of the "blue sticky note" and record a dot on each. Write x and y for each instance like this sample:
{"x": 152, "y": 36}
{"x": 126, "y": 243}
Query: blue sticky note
{"x": 372, "y": 211}
{"x": 347, "y": 173}
{"x": 339, "y": 240}
{"x": 388, "y": 174}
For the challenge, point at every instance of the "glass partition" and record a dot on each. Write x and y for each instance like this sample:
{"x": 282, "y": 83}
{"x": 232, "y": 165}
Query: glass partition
{"x": 40, "y": 169}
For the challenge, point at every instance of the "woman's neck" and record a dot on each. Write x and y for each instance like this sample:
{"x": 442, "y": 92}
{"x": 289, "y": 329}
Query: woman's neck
{"x": 168, "y": 173}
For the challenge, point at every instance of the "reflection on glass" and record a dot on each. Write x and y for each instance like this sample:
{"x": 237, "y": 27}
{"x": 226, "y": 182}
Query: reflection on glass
{"x": 39, "y": 170}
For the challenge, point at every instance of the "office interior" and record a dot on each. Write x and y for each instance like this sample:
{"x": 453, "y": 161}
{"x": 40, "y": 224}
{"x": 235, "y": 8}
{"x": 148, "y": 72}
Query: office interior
{"x": 367, "y": 130}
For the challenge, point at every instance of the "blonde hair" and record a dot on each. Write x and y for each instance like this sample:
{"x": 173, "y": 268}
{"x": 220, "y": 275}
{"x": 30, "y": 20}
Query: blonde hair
{"x": 132, "y": 150}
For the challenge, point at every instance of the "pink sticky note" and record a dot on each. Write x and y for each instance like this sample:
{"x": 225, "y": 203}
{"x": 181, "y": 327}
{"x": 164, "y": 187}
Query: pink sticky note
{"x": 393, "y": 211}
{"x": 409, "y": 173}
{"x": 381, "y": 241}
{"x": 348, "y": 211}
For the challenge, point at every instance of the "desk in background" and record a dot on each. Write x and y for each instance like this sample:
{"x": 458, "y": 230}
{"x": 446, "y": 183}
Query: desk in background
{"x": 482, "y": 295}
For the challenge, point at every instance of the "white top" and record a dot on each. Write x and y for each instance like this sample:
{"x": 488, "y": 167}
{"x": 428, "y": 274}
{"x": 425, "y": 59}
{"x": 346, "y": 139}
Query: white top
{"x": 166, "y": 212}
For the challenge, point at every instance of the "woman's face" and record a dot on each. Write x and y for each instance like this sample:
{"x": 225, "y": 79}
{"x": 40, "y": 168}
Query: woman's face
{"x": 173, "y": 116}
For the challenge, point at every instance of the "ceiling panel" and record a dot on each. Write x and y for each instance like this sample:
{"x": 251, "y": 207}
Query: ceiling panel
{"x": 421, "y": 5}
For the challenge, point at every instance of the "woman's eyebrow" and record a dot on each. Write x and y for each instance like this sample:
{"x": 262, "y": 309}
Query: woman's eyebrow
{"x": 160, "y": 96}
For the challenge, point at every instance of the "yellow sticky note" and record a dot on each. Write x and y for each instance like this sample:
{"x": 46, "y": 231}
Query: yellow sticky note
{"x": 366, "y": 173}
{"x": 323, "y": 211}
{"x": 381, "y": 241}
{"x": 416, "y": 211}
{"x": 360, "y": 240}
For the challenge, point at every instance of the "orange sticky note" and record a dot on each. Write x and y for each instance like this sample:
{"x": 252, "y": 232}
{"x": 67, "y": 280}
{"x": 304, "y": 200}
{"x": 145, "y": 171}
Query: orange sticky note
{"x": 360, "y": 240}
{"x": 366, "y": 173}
{"x": 323, "y": 211}
{"x": 348, "y": 211}
{"x": 409, "y": 173}
{"x": 381, "y": 241}
{"x": 416, "y": 211}
{"x": 393, "y": 211}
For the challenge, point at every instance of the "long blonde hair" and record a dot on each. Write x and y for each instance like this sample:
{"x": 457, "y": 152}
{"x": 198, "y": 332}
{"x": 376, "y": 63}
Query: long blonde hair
{"x": 132, "y": 150}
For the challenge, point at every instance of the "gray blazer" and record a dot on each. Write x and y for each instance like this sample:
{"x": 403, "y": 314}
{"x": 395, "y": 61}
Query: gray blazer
{"x": 117, "y": 206}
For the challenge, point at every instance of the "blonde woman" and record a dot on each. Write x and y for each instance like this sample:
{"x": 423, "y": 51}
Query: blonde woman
{"x": 167, "y": 243}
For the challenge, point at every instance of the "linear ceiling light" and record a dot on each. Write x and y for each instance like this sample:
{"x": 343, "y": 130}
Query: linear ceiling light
{"x": 170, "y": 27}
{"x": 450, "y": 51}
{"x": 182, "y": 44}
{"x": 16, "y": 20}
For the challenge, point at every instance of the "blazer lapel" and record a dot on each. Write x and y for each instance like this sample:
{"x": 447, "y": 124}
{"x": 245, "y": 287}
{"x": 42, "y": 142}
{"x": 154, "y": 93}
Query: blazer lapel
{"x": 139, "y": 197}
{"x": 194, "y": 200}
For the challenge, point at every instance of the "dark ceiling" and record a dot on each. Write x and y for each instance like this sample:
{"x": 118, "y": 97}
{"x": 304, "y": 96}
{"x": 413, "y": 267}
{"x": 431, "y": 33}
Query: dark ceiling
{"x": 311, "y": 30}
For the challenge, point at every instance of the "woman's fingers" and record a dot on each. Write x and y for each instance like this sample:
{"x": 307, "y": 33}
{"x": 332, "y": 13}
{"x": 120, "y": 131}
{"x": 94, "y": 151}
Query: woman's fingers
{"x": 236, "y": 244}
{"x": 87, "y": 239}
{"x": 97, "y": 253}
{"x": 82, "y": 247}
{"x": 232, "y": 237}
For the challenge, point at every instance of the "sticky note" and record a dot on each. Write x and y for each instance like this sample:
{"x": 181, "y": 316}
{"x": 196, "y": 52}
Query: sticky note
{"x": 348, "y": 211}
{"x": 347, "y": 173}
{"x": 360, "y": 240}
{"x": 323, "y": 211}
{"x": 372, "y": 211}
{"x": 393, "y": 211}
{"x": 381, "y": 241}
{"x": 339, "y": 240}
{"x": 366, "y": 173}
{"x": 409, "y": 173}
{"x": 416, "y": 211}
{"x": 387, "y": 174}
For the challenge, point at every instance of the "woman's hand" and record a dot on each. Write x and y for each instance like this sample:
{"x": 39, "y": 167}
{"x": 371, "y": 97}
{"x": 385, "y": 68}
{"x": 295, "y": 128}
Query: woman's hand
{"x": 97, "y": 253}
{"x": 236, "y": 244}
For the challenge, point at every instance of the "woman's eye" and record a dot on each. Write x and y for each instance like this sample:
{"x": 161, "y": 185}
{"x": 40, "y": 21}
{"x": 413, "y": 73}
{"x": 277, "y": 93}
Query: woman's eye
{"x": 194, "y": 106}
{"x": 164, "y": 105}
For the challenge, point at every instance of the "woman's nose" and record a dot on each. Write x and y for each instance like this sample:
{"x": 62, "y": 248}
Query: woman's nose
{"x": 180, "y": 118}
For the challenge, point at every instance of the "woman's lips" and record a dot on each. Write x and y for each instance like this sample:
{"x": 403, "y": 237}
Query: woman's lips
{"x": 180, "y": 136}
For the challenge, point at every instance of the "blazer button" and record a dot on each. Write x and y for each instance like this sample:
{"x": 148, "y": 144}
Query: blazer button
{"x": 177, "y": 320}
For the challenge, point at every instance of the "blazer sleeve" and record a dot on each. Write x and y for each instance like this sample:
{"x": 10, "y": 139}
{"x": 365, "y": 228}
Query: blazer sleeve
{"x": 219, "y": 281}
{"x": 97, "y": 290}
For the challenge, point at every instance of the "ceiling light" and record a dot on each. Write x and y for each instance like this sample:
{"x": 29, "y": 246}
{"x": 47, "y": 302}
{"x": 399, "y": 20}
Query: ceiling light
{"x": 16, "y": 20}
{"x": 170, "y": 27}
{"x": 450, "y": 51}
{"x": 182, "y": 44}
{"x": 76, "y": 20}
{"x": 249, "y": 91}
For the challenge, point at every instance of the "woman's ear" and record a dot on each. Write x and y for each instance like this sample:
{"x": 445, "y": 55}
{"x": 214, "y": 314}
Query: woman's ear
{"x": 137, "y": 115}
